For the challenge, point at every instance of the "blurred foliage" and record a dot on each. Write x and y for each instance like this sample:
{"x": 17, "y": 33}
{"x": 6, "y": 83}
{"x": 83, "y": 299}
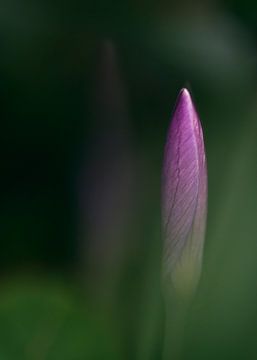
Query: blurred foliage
{"x": 42, "y": 319}
{"x": 49, "y": 57}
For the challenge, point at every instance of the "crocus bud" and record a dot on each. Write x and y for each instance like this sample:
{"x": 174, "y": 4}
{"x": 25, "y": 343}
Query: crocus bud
{"x": 184, "y": 197}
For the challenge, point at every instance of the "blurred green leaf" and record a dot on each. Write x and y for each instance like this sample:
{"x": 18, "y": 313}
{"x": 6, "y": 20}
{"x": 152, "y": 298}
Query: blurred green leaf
{"x": 44, "y": 319}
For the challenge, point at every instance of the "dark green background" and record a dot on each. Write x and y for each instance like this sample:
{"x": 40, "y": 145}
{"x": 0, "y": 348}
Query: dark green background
{"x": 55, "y": 304}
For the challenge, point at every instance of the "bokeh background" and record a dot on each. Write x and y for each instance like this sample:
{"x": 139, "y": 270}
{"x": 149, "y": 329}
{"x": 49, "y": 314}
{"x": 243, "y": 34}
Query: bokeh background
{"x": 87, "y": 90}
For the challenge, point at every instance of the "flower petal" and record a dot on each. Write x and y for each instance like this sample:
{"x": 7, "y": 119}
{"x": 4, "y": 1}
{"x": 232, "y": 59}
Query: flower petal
{"x": 184, "y": 193}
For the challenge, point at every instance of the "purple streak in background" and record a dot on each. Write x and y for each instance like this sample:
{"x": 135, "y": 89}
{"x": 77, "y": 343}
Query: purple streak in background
{"x": 107, "y": 187}
{"x": 184, "y": 196}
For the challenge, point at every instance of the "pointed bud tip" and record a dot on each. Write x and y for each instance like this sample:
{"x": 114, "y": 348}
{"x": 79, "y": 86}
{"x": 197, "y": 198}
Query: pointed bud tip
{"x": 185, "y": 92}
{"x": 185, "y": 98}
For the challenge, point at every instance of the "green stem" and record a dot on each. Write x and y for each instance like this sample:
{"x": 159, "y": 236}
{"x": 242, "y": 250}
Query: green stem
{"x": 176, "y": 316}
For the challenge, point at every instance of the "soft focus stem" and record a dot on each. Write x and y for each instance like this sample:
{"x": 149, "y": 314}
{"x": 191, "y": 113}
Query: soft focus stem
{"x": 176, "y": 307}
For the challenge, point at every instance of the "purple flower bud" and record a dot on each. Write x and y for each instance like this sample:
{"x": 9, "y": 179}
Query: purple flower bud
{"x": 184, "y": 196}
